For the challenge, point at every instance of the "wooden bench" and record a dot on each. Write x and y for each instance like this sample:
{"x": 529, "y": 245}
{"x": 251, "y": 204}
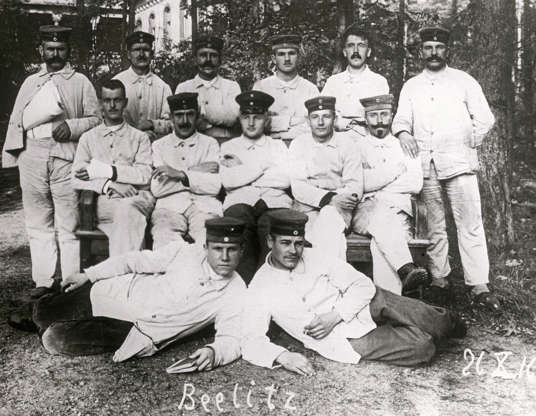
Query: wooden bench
{"x": 94, "y": 243}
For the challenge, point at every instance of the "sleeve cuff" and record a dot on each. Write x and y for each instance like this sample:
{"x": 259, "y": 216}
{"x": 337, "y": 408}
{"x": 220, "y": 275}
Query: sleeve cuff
{"x": 91, "y": 274}
{"x": 345, "y": 314}
{"x": 326, "y": 199}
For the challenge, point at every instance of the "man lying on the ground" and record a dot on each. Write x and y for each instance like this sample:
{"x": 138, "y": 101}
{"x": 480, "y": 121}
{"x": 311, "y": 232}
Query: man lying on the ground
{"x": 389, "y": 179}
{"x": 114, "y": 160}
{"x": 333, "y": 309}
{"x": 141, "y": 302}
{"x": 185, "y": 181}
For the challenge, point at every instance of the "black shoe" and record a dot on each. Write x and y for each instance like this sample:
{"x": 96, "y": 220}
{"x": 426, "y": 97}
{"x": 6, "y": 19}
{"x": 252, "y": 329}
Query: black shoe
{"x": 413, "y": 277}
{"x": 437, "y": 295}
{"x": 40, "y": 291}
{"x": 459, "y": 327}
{"x": 22, "y": 319}
{"x": 488, "y": 301}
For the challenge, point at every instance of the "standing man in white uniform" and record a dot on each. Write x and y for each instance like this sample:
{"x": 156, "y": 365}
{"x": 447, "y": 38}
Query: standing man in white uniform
{"x": 443, "y": 116}
{"x": 288, "y": 116}
{"x": 147, "y": 108}
{"x": 218, "y": 110}
{"x": 356, "y": 82}
{"x": 53, "y": 108}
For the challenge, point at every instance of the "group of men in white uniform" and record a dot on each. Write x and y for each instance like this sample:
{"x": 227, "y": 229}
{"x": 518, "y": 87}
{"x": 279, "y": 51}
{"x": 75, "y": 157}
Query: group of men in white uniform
{"x": 156, "y": 159}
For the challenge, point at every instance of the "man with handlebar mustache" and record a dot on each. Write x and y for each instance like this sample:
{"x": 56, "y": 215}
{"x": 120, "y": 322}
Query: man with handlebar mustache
{"x": 218, "y": 110}
{"x": 186, "y": 180}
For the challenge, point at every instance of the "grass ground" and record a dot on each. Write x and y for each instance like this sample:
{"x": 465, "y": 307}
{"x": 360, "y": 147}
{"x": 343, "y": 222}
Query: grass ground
{"x": 35, "y": 383}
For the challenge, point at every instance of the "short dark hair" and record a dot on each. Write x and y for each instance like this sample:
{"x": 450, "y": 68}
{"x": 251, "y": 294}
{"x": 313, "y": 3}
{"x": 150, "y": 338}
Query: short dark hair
{"x": 114, "y": 84}
{"x": 356, "y": 31}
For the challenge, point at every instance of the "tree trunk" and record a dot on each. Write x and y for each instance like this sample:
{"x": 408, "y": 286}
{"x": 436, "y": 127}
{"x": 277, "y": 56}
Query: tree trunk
{"x": 193, "y": 14}
{"x": 345, "y": 14}
{"x": 494, "y": 40}
{"x": 527, "y": 72}
{"x": 124, "y": 33}
{"x": 400, "y": 57}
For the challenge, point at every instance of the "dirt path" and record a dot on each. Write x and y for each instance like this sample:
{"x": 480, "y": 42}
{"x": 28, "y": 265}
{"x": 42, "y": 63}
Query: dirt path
{"x": 35, "y": 383}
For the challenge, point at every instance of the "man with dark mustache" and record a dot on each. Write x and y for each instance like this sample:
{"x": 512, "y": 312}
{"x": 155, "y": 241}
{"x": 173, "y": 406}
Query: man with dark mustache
{"x": 356, "y": 82}
{"x": 288, "y": 117}
{"x": 443, "y": 116}
{"x": 389, "y": 179}
{"x": 186, "y": 180}
{"x": 218, "y": 111}
{"x": 147, "y": 108}
{"x": 53, "y": 108}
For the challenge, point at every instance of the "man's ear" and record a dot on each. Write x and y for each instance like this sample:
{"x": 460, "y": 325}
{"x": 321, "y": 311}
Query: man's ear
{"x": 369, "y": 51}
{"x": 270, "y": 241}
{"x": 41, "y": 49}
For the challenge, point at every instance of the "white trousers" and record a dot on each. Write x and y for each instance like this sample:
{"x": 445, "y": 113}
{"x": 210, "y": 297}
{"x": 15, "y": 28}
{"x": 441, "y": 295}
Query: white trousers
{"x": 388, "y": 228}
{"x": 325, "y": 231}
{"x": 50, "y": 210}
{"x": 464, "y": 199}
{"x": 168, "y": 225}
{"x": 123, "y": 220}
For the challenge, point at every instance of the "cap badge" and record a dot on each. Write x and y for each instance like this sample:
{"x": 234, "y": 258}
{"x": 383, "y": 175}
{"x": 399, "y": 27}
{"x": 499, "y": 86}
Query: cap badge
{"x": 320, "y": 101}
{"x": 226, "y": 239}
{"x": 435, "y": 37}
{"x": 55, "y": 38}
{"x": 320, "y": 107}
{"x": 251, "y": 103}
{"x": 251, "y": 95}
{"x": 232, "y": 229}
{"x": 295, "y": 232}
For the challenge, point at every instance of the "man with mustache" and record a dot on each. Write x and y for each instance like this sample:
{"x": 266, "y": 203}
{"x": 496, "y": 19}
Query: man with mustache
{"x": 356, "y": 82}
{"x": 218, "y": 111}
{"x": 147, "y": 108}
{"x": 53, "y": 108}
{"x": 326, "y": 178}
{"x": 288, "y": 117}
{"x": 254, "y": 172}
{"x": 186, "y": 180}
{"x": 333, "y": 309}
{"x": 389, "y": 179}
{"x": 140, "y": 302}
{"x": 443, "y": 116}
{"x": 114, "y": 160}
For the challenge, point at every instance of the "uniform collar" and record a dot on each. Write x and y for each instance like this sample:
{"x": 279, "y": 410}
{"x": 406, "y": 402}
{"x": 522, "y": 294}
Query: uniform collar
{"x": 287, "y": 85}
{"x": 250, "y": 144}
{"x": 352, "y": 78}
{"x": 133, "y": 77}
{"x": 333, "y": 142}
{"x": 388, "y": 141}
{"x": 185, "y": 143}
{"x": 213, "y": 83}
{"x": 66, "y": 72}
{"x": 431, "y": 75}
{"x": 119, "y": 129}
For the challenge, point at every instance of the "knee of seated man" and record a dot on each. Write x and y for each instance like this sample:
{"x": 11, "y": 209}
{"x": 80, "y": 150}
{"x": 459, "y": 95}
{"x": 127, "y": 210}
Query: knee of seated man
{"x": 53, "y": 339}
{"x": 425, "y": 349}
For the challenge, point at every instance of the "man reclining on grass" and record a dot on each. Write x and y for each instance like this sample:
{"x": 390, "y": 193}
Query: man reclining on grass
{"x": 141, "y": 302}
{"x": 333, "y": 309}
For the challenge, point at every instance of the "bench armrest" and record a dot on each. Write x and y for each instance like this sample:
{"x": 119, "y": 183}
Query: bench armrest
{"x": 88, "y": 210}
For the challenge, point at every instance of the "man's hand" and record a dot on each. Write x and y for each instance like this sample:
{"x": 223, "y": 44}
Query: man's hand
{"x": 295, "y": 362}
{"x": 74, "y": 281}
{"x": 145, "y": 124}
{"x": 322, "y": 325}
{"x": 344, "y": 201}
{"x": 207, "y": 167}
{"x": 229, "y": 160}
{"x": 123, "y": 190}
{"x": 62, "y": 133}
{"x": 202, "y": 124}
{"x": 204, "y": 358}
{"x": 82, "y": 174}
{"x": 409, "y": 144}
{"x": 164, "y": 172}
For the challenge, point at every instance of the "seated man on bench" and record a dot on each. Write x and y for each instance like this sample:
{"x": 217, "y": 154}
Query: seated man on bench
{"x": 114, "y": 160}
{"x": 185, "y": 182}
{"x": 141, "y": 302}
{"x": 389, "y": 179}
{"x": 333, "y": 309}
